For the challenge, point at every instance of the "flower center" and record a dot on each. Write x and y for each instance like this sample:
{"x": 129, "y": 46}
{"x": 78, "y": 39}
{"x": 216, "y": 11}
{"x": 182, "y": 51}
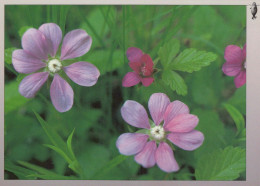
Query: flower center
{"x": 144, "y": 70}
{"x": 54, "y": 65}
{"x": 157, "y": 133}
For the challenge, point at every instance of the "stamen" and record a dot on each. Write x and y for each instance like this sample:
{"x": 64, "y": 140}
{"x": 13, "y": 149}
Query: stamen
{"x": 157, "y": 133}
{"x": 54, "y": 65}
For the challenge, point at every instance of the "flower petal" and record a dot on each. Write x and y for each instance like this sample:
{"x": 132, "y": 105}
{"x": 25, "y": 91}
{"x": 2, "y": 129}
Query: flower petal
{"x": 131, "y": 143}
{"x": 147, "y": 81}
{"x": 61, "y": 94}
{"x": 130, "y": 79}
{"x": 240, "y": 79}
{"x": 147, "y": 156}
{"x": 182, "y": 123}
{"x": 136, "y": 66}
{"x": 187, "y": 141}
{"x": 54, "y": 34}
{"x": 31, "y": 84}
{"x": 76, "y": 43}
{"x": 165, "y": 159}
{"x": 83, "y": 73}
{"x": 147, "y": 60}
{"x": 233, "y": 54}
{"x": 134, "y": 54}
{"x": 231, "y": 69}
{"x": 135, "y": 114}
{"x": 174, "y": 109}
{"x": 35, "y": 43}
{"x": 157, "y": 104}
{"x": 26, "y": 63}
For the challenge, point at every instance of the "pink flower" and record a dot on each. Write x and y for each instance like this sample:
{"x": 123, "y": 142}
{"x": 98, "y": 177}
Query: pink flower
{"x": 142, "y": 64}
{"x": 39, "y": 55}
{"x": 235, "y": 64}
{"x": 178, "y": 128}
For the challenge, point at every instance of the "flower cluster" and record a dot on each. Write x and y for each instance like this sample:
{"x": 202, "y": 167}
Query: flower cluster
{"x": 171, "y": 123}
{"x": 39, "y": 56}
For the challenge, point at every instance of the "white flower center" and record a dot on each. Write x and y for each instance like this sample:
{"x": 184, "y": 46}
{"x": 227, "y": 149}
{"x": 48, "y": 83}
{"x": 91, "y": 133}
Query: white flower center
{"x": 54, "y": 65}
{"x": 157, "y": 132}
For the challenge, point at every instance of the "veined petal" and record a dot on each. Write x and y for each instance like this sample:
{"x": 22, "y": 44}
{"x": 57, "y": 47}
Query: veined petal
{"x": 26, "y": 63}
{"x": 165, "y": 159}
{"x": 231, "y": 69}
{"x": 157, "y": 104}
{"x": 76, "y": 43}
{"x": 147, "y": 81}
{"x": 240, "y": 79}
{"x": 54, "y": 34}
{"x": 135, "y": 114}
{"x": 61, "y": 94}
{"x": 174, "y": 109}
{"x": 35, "y": 43}
{"x": 148, "y": 64}
{"x": 233, "y": 54}
{"x": 130, "y": 79}
{"x": 134, "y": 54}
{"x": 136, "y": 66}
{"x": 187, "y": 141}
{"x": 31, "y": 84}
{"x": 131, "y": 143}
{"x": 147, "y": 156}
{"x": 182, "y": 123}
{"x": 83, "y": 73}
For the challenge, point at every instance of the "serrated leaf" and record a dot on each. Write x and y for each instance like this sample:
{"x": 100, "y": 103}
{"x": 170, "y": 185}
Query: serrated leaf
{"x": 168, "y": 51}
{"x": 175, "y": 81}
{"x": 221, "y": 164}
{"x": 192, "y": 60}
{"x": 236, "y": 116}
{"x": 8, "y": 55}
{"x": 23, "y": 30}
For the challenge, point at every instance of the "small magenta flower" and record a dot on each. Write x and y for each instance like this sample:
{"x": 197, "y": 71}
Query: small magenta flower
{"x": 142, "y": 64}
{"x": 235, "y": 64}
{"x": 172, "y": 123}
{"x": 39, "y": 57}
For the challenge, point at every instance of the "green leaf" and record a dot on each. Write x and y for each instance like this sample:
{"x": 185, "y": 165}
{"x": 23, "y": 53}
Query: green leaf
{"x": 236, "y": 116}
{"x": 53, "y": 177}
{"x": 69, "y": 144}
{"x": 221, "y": 164}
{"x": 20, "y": 172}
{"x": 8, "y": 55}
{"x": 168, "y": 51}
{"x": 175, "y": 81}
{"x": 111, "y": 164}
{"x": 192, "y": 60}
{"x": 59, "y": 151}
{"x": 23, "y": 30}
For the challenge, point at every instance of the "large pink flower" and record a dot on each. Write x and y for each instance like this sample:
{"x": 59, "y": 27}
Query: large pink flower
{"x": 39, "y": 55}
{"x": 142, "y": 64}
{"x": 178, "y": 128}
{"x": 235, "y": 64}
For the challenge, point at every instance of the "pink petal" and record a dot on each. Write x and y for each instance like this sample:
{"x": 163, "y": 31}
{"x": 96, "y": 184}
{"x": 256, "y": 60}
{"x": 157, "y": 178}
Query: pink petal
{"x": 157, "y": 104}
{"x": 82, "y": 73}
{"x": 54, "y": 34}
{"x": 75, "y": 44}
{"x": 61, "y": 94}
{"x": 165, "y": 159}
{"x": 244, "y": 52}
{"x": 130, "y": 79}
{"x": 187, "y": 141}
{"x": 134, "y": 114}
{"x": 26, "y": 63}
{"x": 182, "y": 123}
{"x": 147, "y": 156}
{"x": 233, "y": 54}
{"x": 147, "y": 81}
{"x": 174, "y": 109}
{"x": 134, "y": 54}
{"x": 231, "y": 69}
{"x": 147, "y": 60}
{"x": 31, "y": 84}
{"x": 240, "y": 79}
{"x": 131, "y": 143}
{"x": 35, "y": 43}
{"x": 136, "y": 66}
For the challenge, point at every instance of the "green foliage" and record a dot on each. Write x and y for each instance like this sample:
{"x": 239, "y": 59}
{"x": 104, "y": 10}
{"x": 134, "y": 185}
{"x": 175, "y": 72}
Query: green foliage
{"x": 8, "y": 55}
{"x": 221, "y": 164}
{"x": 23, "y": 30}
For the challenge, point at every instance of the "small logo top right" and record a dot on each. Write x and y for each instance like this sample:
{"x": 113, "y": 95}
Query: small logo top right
{"x": 253, "y": 10}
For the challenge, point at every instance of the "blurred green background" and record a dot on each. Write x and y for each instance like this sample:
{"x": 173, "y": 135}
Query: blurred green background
{"x": 95, "y": 114}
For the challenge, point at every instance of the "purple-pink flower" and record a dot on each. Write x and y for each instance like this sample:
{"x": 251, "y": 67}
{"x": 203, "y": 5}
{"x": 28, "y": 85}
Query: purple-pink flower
{"x": 172, "y": 123}
{"x": 39, "y": 56}
{"x": 235, "y": 64}
{"x": 142, "y": 64}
